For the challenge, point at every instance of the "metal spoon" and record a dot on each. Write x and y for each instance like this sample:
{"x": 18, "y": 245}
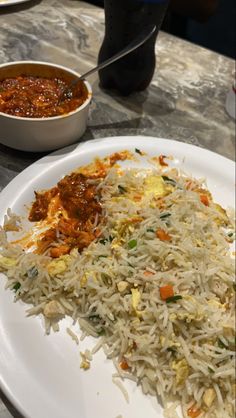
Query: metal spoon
{"x": 67, "y": 93}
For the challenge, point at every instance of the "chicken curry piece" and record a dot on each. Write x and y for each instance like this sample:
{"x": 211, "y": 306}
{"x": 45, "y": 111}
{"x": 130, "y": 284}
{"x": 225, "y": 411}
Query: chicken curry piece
{"x": 77, "y": 202}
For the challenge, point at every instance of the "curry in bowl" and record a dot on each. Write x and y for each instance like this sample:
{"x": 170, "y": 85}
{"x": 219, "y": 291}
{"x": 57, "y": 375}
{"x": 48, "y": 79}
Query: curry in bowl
{"x": 39, "y": 97}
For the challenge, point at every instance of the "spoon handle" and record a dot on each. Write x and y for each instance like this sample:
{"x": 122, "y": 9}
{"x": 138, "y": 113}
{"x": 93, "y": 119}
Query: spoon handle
{"x": 138, "y": 41}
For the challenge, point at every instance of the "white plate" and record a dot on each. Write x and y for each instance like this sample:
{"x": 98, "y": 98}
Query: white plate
{"x": 41, "y": 374}
{"x": 11, "y": 2}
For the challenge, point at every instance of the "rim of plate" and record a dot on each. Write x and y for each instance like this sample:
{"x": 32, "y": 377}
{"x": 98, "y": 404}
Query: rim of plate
{"x": 11, "y": 2}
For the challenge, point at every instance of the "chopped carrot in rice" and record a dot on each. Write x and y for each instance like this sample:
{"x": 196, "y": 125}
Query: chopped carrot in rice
{"x": 163, "y": 235}
{"x": 161, "y": 161}
{"x": 204, "y": 199}
{"x": 193, "y": 412}
{"x": 148, "y": 273}
{"x": 166, "y": 291}
{"x": 124, "y": 365}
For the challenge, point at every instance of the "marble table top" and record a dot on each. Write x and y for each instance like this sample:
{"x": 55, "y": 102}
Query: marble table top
{"x": 185, "y": 101}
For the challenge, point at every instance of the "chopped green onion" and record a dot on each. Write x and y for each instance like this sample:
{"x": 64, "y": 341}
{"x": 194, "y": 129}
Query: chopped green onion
{"x": 169, "y": 180}
{"x": 221, "y": 344}
{"x": 122, "y": 189}
{"x": 171, "y": 350}
{"x": 138, "y": 151}
{"x": 103, "y": 241}
{"x": 211, "y": 370}
{"x": 101, "y": 332}
{"x": 32, "y": 272}
{"x": 165, "y": 215}
{"x": 173, "y": 298}
{"x": 150, "y": 230}
{"x": 230, "y": 234}
{"x": 132, "y": 244}
{"x": 95, "y": 318}
{"x": 106, "y": 279}
{"x": 16, "y": 286}
{"x": 102, "y": 256}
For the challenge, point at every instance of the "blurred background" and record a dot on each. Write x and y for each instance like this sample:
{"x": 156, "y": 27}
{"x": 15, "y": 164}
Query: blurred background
{"x": 209, "y": 23}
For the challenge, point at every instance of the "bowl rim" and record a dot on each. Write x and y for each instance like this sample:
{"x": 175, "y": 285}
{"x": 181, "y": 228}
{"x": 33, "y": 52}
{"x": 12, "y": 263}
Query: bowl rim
{"x": 54, "y": 65}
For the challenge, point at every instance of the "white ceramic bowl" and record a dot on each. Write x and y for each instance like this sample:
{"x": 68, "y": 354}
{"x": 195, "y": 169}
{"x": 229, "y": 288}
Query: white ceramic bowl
{"x": 42, "y": 134}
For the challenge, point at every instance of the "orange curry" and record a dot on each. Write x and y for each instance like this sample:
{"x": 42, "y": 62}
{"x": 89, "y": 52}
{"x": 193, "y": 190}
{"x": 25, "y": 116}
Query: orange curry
{"x": 77, "y": 203}
{"x": 38, "y": 97}
{"x": 71, "y": 212}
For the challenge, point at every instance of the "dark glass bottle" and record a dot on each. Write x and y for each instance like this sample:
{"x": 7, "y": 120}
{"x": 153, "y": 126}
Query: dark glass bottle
{"x": 124, "y": 20}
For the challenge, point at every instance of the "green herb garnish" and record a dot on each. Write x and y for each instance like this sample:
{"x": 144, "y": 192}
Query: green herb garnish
{"x": 102, "y": 256}
{"x": 138, "y": 151}
{"x": 103, "y": 241}
{"x": 132, "y": 244}
{"x": 165, "y": 215}
{"x": 211, "y": 370}
{"x": 150, "y": 230}
{"x": 94, "y": 318}
{"x": 169, "y": 180}
{"x": 101, "y": 332}
{"x": 122, "y": 189}
{"x": 171, "y": 350}
{"x": 106, "y": 279}
{"x": 16, "y": 286}
{"x": 173, "y": 299}
{"x": 221, "y": 344}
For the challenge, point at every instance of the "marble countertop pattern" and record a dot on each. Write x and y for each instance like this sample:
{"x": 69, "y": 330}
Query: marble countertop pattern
{"x": 185, "y": 101}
